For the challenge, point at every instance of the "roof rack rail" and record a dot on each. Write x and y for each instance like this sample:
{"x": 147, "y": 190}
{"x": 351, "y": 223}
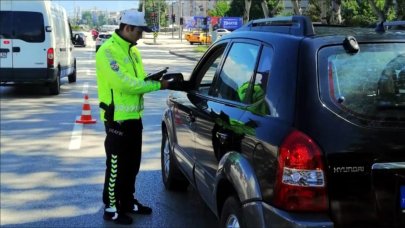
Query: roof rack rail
{"x": 383, "y": 26}
{"x": 394, "y": 23}
{"x": 294, "y": 25}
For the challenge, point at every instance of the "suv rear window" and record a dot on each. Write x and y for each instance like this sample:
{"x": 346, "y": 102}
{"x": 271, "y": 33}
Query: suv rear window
{"x": 368, "y": 85}
{"x": 26, "y": 26}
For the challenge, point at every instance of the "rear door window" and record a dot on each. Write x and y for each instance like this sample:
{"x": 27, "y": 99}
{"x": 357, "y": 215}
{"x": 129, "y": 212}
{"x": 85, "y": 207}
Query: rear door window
{"x": 368, "y": 86}
{"x": 26, "y": 26}
{"x": 237, "y": 71}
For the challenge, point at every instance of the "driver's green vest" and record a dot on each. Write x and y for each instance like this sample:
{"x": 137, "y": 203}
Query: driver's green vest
{"x": 120, "y": 75}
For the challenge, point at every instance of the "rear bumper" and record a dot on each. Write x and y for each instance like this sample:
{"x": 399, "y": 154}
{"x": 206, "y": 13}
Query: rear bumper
{"x": 28, "y": 75}
{"x": 260, "y": 214}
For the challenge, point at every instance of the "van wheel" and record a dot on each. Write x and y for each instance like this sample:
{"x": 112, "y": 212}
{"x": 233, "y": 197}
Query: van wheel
{"x": 72, "y": 77}
{"x": 54, "y": 88}
{"x": 173, "y": 178}
{"x": 231, "y": 215}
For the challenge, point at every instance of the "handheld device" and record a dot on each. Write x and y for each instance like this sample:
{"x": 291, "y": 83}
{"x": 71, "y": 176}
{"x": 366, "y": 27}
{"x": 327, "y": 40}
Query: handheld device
{"x": 156, "y": 75}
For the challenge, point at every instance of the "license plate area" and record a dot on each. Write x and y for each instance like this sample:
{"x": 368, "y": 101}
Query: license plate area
{"x": 3, "y": 54}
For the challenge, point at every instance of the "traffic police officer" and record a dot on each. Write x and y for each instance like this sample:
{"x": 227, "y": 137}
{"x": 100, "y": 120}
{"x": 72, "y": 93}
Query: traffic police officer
{"x": 121, "y": 85}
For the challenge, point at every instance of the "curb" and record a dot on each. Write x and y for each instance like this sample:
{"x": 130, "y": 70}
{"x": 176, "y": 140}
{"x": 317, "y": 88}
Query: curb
{"x": 184, "y": 56}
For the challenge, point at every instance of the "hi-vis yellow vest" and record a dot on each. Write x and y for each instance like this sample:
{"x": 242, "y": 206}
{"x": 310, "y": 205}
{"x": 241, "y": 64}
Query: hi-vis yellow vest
{"x": 119, "y": 69}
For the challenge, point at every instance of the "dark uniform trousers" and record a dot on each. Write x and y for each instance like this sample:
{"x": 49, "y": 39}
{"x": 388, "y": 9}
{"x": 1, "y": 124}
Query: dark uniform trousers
{"x": 123, "y": 145}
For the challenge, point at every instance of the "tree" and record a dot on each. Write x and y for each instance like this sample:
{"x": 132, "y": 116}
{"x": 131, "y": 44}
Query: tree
{"x": 381, "y": 8}
{"x": 357, "y": 13}
{"x": 270, "y": 7}
{"x": 87, "y": 18}
{"x": 349, "y": 12}
{"x": 265, "y": 8}
{"x": 336, "y": 16}
{"x": 102, "y": 20}
{"x": 274, "y": 6}
{"x": 257, "y": 10}
{"x": 155, "y": 11}
{"x": 220, "y": 9}
{"x": 236, "y": 8}
{"x": 400, "y": 10}
{"x": 324, "y": 11}
{"x": 296, "y": 7}
{"x": 246, "y": 11}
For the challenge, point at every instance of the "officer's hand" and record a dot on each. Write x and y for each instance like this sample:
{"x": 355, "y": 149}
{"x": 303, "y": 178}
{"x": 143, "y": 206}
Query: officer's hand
{"x": 164, "y": 84}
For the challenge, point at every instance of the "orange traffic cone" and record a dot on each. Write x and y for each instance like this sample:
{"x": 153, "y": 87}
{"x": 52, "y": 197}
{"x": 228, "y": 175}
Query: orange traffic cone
{"x": 86, "y": 113}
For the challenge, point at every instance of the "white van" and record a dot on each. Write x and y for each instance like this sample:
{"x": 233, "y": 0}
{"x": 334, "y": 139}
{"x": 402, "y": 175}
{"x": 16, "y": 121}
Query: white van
{"x": 35, "y": 44}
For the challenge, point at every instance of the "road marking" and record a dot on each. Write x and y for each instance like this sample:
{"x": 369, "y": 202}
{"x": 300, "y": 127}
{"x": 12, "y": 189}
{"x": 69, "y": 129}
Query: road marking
{"x": 76, "y": 137}
{"x": 85, "y": 88}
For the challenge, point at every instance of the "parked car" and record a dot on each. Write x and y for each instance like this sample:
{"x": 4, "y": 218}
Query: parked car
{"x": 102, "y": 37}
{"x": 36, "y": 44}
{"x": 220, "y": 32}
{"x": 205, "y": 38}
{"x": 193, "y": 37}
{"x": 79, "y": 39}
{"x": 279, "y": 125}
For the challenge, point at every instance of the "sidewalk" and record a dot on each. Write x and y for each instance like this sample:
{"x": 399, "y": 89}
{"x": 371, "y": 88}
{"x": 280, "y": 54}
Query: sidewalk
{"x": 176, "y": 46}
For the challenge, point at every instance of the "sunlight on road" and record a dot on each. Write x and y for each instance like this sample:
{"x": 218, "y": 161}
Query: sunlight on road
{"x": 26, "y": 216}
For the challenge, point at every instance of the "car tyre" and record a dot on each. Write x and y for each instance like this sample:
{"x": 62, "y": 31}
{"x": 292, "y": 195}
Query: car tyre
{"x": 231, "y": 215}
{"x": 172, "y": 177}
{"x": 72, "y": 77}
{"x": 54, "y": 88}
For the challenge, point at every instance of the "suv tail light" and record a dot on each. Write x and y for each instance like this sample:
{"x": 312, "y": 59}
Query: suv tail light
{"x": 300, "y": 181}
{"x": 50, "y": 57}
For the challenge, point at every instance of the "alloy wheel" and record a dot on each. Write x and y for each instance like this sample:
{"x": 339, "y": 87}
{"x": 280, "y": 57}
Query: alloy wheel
{"x": 166, "y": 157}
{"x": 232, "y": 221}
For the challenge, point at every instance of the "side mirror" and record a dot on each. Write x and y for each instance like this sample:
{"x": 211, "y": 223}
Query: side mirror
{"x": 176, "y": 81}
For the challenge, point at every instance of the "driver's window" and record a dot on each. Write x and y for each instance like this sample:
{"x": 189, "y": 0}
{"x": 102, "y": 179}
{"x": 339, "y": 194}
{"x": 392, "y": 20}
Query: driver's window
{"x": 209, "y": 69}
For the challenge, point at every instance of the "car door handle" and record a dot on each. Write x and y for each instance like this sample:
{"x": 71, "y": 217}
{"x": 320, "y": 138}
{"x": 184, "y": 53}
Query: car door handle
{"x": 16, "y": 49}
{"x": 190, "y": 118}
{"x": 222, "y": 137}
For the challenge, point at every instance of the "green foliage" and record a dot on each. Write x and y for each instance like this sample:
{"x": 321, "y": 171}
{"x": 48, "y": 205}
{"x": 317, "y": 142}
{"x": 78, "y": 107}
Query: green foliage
{"x": 102, "y": 20}
{"x": 201, "y": 48}
{"x": 157, "y": 8}
{"x": 400, "y": 14}
{"x": 220, "y": 9}
{"x": 88, "y": 18}
{"x": 357, "y": 13}
{"x": 256, "y": 11}
{"x": 274, "y": 6}
{"x": 76, "y": 28}
{"x": 313, "y": 11}
{"x": 237, "y": 7}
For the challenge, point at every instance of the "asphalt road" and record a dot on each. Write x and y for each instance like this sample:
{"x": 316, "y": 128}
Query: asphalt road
{"x": 52, "y": 170}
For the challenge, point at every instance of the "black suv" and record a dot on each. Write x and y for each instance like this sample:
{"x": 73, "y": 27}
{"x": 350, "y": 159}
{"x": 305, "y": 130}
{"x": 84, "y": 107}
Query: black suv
{"x": 287, "y": 124}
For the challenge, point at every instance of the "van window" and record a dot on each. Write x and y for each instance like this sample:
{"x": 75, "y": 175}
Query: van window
{"x": 369, "y": 85}
{"x": 26, "y": 26}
